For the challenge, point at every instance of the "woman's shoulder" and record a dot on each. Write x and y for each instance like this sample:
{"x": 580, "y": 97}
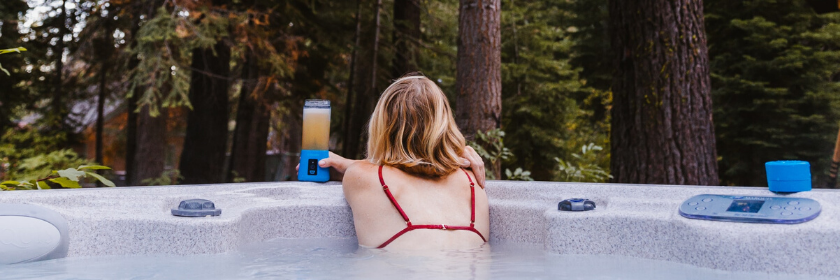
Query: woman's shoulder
{"x": 360, "y": 175}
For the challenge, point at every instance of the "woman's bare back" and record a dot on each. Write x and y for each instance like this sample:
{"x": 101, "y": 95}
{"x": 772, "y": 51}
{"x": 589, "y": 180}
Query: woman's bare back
{"x": 441, "y": 201}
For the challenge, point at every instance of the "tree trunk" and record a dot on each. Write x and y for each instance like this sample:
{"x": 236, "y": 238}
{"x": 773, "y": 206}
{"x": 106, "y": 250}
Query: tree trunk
{"x": 100, "y": 112}
{"x": 100, "y": 115}
{"x": 350, "y": 98}
{"x": 131, "y": 140}
{"x": 205, "y": 143}
{"x": 290, "y": 142}
{"x": 366, "y": 94}
{"x": 151, "y": 152}
{"x": 662, "y": 129}
{"x": 146, "y": 8}
{"x": 406, "y": 31}
{"x": 479, "y": 67}
{"x": 478, "y": 83}
{"x": 58, "y": 106}
{"x": 253, "y": 116}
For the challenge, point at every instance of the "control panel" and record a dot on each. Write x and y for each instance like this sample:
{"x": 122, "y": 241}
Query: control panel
{"x": 750, "y": 209}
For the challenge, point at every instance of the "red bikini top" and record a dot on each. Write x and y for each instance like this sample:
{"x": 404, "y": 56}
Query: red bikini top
{"x": 410, "y": 227}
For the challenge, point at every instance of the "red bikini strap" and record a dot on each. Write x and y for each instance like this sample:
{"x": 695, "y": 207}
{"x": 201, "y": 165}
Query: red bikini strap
{"x": 391, "y": 198}
{"x": 472, "y": 199}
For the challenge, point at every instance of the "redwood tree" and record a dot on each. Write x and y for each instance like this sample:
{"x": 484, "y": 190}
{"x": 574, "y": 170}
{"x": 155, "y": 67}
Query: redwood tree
{"x": 479, "y": 66}
{"x": 145, "y": 9}
{"x": 253, "y": 116}
{"x": 151, "y": 146}
{"x": 203, "y": 157}
{"x": 662, "y": 130}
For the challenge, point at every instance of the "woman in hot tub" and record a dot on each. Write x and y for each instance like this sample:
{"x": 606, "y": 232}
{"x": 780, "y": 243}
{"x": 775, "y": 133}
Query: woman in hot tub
{"x": 411, "y": 191}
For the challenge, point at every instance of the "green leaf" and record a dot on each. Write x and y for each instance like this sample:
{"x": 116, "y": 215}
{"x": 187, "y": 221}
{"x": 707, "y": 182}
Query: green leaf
{"x": 101, "y": 179}
{"x": 67, "y": 183}
{"x": 71, "y": 173}
{"x": 42, "y": 185}
{"x": 94, "y": 167}
{"x": 10, "y": 183}
{"x": 4, "y": 70}
{"x": 17, "y": 50}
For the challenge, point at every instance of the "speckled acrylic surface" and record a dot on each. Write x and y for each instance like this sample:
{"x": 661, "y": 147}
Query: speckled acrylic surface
{"x": 630, "y": 220}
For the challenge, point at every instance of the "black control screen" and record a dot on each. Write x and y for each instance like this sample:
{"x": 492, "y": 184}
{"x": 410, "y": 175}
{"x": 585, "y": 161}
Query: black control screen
{"x": 745, "y": 206}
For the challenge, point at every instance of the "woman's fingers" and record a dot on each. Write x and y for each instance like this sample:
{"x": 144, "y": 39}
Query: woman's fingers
{"x": 476, "y": 164}
{"x": 337, "y": 162}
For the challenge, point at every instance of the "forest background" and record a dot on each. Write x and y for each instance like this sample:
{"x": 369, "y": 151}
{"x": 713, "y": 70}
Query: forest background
{"x": 150, "y": 86}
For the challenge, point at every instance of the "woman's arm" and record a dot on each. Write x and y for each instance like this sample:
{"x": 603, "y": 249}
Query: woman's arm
{"x": 339, "y": 164}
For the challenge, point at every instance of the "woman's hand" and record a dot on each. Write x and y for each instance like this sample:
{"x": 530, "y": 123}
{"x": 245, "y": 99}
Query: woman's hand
{"x": 473, "y": 161}
{"x": 338, "y": 163}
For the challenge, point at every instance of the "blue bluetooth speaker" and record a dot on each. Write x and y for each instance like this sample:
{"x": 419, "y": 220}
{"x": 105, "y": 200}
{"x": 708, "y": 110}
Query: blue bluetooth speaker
{"x": 787, "y": 176}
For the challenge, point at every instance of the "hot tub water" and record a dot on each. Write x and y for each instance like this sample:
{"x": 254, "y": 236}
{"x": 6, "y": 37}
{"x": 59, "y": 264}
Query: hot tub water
{"x": 343, "y": 259}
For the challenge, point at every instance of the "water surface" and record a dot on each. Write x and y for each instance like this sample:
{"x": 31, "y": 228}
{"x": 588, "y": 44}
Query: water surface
{"x": 343, "y": 259}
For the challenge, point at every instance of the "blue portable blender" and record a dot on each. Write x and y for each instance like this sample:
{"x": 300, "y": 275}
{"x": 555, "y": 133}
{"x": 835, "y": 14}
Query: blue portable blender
{"x": 316, "y": 139}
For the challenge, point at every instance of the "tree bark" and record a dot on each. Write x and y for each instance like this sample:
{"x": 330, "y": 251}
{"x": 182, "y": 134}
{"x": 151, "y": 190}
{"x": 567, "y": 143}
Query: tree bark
{"x": 350, "y": 98}
{"x": 151, "y": 152}
{"x": 58, "y": 106}
{"x": 205, "y": 143}
{"x": 100, "y": 117}
{"x": 131, "y": 140}
{"x": 290, "y": 142}
{"x": 406, "y": 32}
{"x": 366, "y": 94}
{"x": 479, "y": 77}
{"x": 100, "y": 112}
{"x": 662, "y": 130}
{"x": 148, "y": 9}
{"x": 253, "y": 116}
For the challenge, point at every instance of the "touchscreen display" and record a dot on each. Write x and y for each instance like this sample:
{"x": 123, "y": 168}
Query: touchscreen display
{"x": 745, "y": 206}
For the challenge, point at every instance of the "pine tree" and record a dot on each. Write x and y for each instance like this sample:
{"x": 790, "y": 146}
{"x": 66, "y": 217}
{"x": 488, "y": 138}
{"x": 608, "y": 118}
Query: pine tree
{"x": 774, "y": 79}
{"x": 538, "y": 86}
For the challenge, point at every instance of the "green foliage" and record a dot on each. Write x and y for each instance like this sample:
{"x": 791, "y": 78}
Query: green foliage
{"x": 490, "y": 146}
{"x": 167, "y": 177}
{"x": 26, "y": 154}
{"x": 42, "y": 165}
{"x": 17, "y": 50}
{"x": 774, "y": 86}
{"x": 165, "y": 44}
{"x": 518, "y": 175}
{"x": 583, "y": 167}
{"x": 540, "y": 112}
{"x": 163, "y": 49}
{"x": 66, "y": 178}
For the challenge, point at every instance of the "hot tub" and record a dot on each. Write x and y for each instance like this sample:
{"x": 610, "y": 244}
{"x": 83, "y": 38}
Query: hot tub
{"x": 305, "y": 230}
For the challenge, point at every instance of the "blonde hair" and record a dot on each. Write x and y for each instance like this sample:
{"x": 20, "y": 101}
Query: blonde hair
{"x": 412, "y": 128}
